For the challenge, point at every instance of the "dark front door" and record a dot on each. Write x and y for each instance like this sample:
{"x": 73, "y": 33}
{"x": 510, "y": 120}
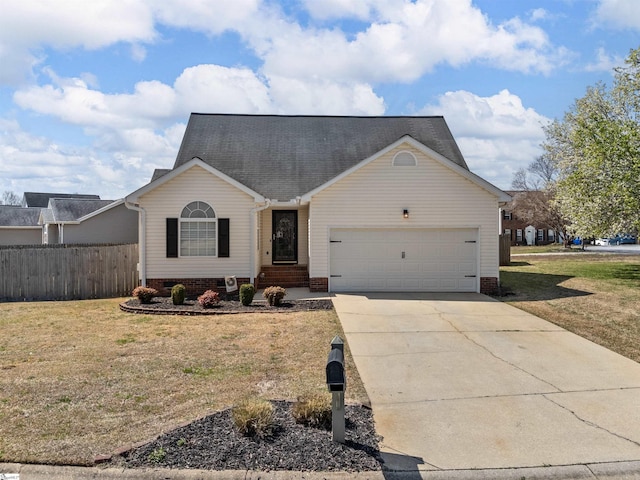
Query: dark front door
{"x": 285, "y": 236}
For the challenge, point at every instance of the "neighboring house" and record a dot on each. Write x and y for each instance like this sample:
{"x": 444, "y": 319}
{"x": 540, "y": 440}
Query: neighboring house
{"x": 86, "y": 221}
{"x": 334, "y": 203}
{"x": 67, "y": 218}
{"x": 523, "y": 232}
{"x": 19, "y": 225}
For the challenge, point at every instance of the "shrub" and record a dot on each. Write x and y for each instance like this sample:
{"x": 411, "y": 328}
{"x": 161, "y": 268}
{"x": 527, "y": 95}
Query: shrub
{"x": 178, "y": 293}
{"x": 209, "y": 299}
{"x": 247, "y": 291}
{"x": 313, "y": 410}
{"x": 274, "y": 295}
{"x": 144, "y": 294}
{"x": 253, "y": 417}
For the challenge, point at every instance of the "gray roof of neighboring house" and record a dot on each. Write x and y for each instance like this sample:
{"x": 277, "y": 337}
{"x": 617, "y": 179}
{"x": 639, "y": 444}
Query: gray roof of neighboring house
{"x": 71, "y": 209}
{"x": 41, "y": 199}
{"x": 282, "y": 157}
{"x": 159, "y": 172}
{"x": 12, "y": 216}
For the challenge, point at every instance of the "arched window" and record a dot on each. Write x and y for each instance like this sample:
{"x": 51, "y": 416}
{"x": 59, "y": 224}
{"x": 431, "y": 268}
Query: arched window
{"x": 404, "y": 159}
{"x": 198, "y": 226}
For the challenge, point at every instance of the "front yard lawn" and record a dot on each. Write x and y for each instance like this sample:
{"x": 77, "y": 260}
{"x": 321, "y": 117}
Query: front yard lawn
{"x": 80, "y": 379}
{"x": 596, "y": 296}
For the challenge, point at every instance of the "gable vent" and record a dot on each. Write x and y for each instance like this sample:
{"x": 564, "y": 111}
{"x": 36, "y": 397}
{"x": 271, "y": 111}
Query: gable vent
{"x": 404, "y": 159}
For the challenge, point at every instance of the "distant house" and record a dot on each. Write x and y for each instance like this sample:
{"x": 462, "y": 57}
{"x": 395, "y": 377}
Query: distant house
{"x": 19, "y": 225}
{"x": 333, "y": 203}
{"x": 86, "y": 220}
{"x": 535, "y": 231}
{"x": 51, "y": 218}
{"x": 41, "y": 199}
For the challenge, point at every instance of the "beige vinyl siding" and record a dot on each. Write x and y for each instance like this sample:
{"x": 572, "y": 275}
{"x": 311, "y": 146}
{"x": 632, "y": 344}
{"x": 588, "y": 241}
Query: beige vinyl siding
{"x": 168, "y": 200}
{"x": 266, "y": 226}
{"x": 375, "y": 195}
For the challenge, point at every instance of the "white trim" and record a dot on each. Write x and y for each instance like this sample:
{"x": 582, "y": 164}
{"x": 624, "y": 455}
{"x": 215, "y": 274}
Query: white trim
{"x": 472, "y": 177}
{"x": 20, "y": 227}
{"x": 195, "y": 161}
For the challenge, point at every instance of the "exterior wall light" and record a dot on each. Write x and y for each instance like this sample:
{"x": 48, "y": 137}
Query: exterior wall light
{"x": 405, "y": 213}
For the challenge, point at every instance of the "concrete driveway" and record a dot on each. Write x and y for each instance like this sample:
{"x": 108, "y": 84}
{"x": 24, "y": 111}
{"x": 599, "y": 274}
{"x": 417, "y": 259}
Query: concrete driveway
{"x": 463, "y": 383}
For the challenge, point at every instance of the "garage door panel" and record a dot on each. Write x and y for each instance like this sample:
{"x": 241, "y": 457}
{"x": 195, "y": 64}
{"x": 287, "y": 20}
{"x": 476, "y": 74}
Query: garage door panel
{"x": 434, "y": 260}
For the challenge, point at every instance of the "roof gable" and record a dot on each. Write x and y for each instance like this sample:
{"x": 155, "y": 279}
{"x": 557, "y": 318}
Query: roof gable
{"x": 284, "y": 157}
{"x": 407, "y": 140}
{"x": 73, "y": 209}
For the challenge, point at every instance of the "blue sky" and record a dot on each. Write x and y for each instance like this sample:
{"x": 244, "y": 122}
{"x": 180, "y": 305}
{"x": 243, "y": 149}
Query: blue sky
{"x": 94, "y": 95}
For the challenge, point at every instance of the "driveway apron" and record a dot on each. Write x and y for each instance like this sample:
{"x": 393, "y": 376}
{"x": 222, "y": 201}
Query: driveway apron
{"x": 462, "y": 382}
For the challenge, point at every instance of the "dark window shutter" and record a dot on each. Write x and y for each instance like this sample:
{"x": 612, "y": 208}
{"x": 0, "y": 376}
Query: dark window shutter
{"x": 223, "y": 237}
{"x": 172, "y": 238}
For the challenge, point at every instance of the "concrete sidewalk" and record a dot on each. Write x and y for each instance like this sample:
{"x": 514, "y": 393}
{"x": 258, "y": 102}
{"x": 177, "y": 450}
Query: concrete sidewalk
{"x": 462, "y": 383}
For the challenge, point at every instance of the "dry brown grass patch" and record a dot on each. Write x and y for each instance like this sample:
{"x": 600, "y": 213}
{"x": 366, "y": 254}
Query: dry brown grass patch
{"x": 80, "y": 379}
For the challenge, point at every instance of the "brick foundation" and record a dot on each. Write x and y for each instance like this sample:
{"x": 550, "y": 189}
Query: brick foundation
{"x": 195, "y": 286}
{"x": 319, "y": 284}
{"x": 488, "y": 285}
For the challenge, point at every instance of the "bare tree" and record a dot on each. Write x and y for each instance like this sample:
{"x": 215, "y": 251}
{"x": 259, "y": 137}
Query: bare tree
{"x": 10, "y": 198}
{"x": 534, "y": 201}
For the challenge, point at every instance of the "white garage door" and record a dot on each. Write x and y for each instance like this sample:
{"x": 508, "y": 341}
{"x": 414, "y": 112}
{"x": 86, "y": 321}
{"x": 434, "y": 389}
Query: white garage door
{"x": 423, "y": 260}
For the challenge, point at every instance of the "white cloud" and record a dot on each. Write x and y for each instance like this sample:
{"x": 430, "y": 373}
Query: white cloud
{"x": 28, "y": 25}
{"x": 45, "y": 165}
{"x": 324, "y": 97}
{"x": 497, "y": 135}
{"x": 408, "y": 40}
{"x": 604, "y": 62}
{"x": 619, "y": 14}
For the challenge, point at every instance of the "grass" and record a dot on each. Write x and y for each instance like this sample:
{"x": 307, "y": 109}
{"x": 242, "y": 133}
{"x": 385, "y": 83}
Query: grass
{"x": 79, "y": 379}
{"x": 593, "y": 295}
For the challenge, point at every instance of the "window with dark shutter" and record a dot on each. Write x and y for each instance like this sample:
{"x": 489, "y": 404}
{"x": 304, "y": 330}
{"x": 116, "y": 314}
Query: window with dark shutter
{"x": 223, "y": 237}
{"x": 172, "y": 238}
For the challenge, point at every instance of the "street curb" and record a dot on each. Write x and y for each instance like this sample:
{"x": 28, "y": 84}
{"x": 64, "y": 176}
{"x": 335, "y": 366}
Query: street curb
{"x": 599, "y": 471}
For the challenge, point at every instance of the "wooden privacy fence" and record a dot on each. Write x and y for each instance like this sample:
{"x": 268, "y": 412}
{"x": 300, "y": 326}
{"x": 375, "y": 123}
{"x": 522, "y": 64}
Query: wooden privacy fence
{"x": 505, "y": 250}
{"x": 67, "y": 272}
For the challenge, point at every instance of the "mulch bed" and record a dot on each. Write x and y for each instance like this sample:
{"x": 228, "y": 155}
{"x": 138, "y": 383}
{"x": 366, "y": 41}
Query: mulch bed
{"x": 214, "y": 443}
{"x": 164, "y": 305}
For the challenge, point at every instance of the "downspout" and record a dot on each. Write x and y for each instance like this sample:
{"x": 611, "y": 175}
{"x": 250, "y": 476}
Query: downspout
{"x": 142, "y": 241}
{"x": 254, "y": 239}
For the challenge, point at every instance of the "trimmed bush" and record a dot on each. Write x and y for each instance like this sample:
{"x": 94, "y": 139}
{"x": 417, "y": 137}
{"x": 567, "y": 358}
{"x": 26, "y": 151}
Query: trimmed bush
{"x": 178, "y": 292}
{"x": 209, "y": 299}
{"x": 144, "y": 294}
{"x": 313, "y": 410}
{"x": 253, "y": 417}
{"x": 274, "y": 295}
{"x": 247, "y": 291}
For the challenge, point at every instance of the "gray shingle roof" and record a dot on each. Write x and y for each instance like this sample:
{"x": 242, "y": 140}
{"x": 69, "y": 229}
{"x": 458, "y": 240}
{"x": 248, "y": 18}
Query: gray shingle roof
{"x": 71, "y": 209}
{"x": 282, "y": 157}
{"x": 159, "y": 172}
{"x": 41, "y": 199}
{"x": 11, "y": 216}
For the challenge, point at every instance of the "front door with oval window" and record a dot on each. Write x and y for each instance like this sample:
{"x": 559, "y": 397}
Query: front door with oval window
{"x": 285, "y": 236}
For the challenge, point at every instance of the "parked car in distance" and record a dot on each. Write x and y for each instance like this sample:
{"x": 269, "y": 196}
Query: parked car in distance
{"x": 617, "y": 240}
